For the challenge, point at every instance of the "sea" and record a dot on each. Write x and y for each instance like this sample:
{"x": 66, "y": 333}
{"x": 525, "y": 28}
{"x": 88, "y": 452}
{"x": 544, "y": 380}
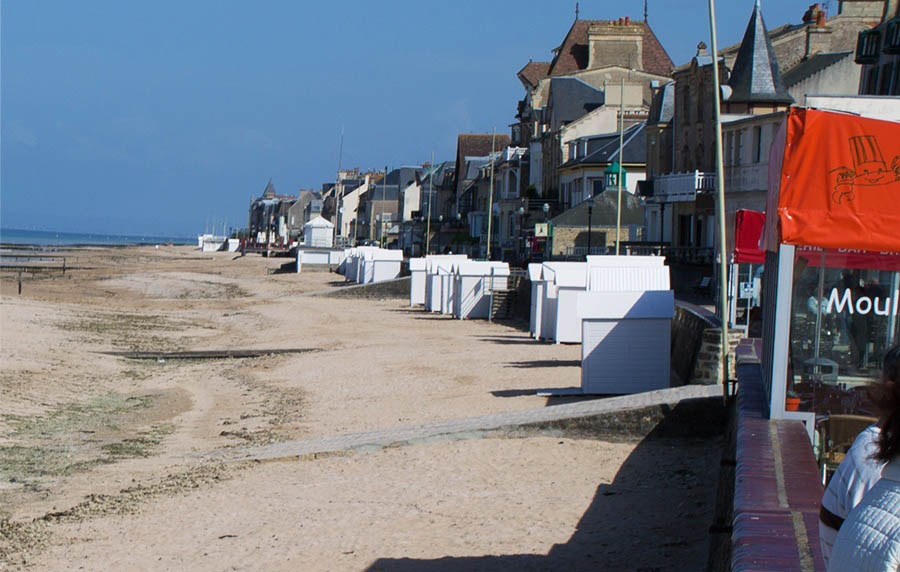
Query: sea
{"x": 15, "y": 236}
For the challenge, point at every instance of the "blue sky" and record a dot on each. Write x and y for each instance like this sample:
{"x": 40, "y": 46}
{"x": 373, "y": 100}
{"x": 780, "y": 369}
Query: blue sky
{"x": 154, "y": 117}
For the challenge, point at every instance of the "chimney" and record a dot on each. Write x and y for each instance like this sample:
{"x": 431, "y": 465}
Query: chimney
{"x": 616, "y": 43}
{"x": 818, "y": 36}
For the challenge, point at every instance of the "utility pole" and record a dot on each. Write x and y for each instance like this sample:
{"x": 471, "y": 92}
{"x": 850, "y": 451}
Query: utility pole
{"x": 720, "y": 192}
{"x": 491, "y": 194}
{"x": 621, "y": 160}
{"x": 383, "y": 191}
{"x": 337, "y": 202}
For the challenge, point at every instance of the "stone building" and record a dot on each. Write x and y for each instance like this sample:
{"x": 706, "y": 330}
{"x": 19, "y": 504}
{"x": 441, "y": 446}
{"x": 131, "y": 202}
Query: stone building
{"x": 681, "y": 134}
{"x": 595, "y": 54}
{"x": 572, "y": 236}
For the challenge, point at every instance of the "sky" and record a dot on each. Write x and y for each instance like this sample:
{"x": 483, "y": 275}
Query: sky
{"x": 163, "y": 117}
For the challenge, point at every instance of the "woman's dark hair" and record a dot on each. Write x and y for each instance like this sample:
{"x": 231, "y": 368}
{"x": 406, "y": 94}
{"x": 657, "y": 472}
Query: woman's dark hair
{"x": 887, "y": 399}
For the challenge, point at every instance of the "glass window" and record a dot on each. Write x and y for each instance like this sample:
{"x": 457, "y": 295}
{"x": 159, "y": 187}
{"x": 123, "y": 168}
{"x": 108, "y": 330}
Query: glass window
{"x": 844, "y": 312}
{"x": 757, "y": 143}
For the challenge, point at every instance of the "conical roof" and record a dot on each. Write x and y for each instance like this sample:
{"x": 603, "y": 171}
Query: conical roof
{"x": 755, "y": 77}
{"x": 269, "y": 191}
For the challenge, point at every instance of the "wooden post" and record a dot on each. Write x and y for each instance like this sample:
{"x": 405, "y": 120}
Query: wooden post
{"x": 20, "y": 282}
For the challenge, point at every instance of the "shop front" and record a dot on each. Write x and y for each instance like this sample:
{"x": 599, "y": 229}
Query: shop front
{"x": 832, "y": 272}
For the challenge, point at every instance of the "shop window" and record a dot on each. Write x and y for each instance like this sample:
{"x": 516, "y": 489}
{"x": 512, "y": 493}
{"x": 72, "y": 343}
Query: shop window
{"x": 844, "y": 316}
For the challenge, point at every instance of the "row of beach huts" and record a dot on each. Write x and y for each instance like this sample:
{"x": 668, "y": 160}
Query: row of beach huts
{"x": 619, "y": 308}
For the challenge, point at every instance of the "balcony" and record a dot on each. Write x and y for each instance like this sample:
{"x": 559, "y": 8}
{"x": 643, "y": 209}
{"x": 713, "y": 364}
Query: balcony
{"x": 682, "y": 187}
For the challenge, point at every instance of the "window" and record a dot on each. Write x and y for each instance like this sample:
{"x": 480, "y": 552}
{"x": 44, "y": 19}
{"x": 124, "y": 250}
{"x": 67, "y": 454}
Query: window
{"x": 895, "y": 85}
{"x": 885, "y": 76}
{"x": 686, "y": 104}
{"x": 701, "y": 94}
{"x": 757, "y": 143}
{"x": 685, "y": 158}
{"x": 729, "y": 148}
{"x": 511, "y": 228}
{"x": 738, "y": 146}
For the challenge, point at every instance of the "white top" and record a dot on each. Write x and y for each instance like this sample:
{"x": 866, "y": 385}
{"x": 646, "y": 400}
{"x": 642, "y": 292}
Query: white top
{"x": 856, "y": 474}
{"x": 869, "y": 540}
{"x": 318, "y": 222}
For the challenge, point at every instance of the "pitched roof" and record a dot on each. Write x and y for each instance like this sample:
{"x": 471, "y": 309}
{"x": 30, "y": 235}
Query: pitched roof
{"x": 474, "y": 145}
{"x": 572, "y": 56}
{"x": 570, "y": 98}
{"x": 812, "y": 66}
{"x": 604, "y": 149}
{"x": 755, "y": 76}
{"x": 479, "y": 144}
{"x": 533, "y": 72}
{"x": 604, "y": 211}
{"x": 662, "y": 108}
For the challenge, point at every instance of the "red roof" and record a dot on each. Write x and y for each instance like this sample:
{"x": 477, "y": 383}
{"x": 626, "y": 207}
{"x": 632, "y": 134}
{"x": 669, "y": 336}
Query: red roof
{"x": 572, "y": 55}
{"x": 533, "y": 72}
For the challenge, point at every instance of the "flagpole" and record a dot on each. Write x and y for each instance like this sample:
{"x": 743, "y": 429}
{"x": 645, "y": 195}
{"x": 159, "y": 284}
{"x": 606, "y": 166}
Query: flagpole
{"x": 720, "y": 193}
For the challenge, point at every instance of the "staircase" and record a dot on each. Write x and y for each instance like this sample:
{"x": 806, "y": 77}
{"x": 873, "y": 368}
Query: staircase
{"x": 503, "y": 300}
{"x": 502, "y": 303}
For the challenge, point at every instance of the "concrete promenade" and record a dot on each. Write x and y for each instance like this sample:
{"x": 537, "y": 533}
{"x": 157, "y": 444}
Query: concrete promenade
{"x": 464, "y": 428}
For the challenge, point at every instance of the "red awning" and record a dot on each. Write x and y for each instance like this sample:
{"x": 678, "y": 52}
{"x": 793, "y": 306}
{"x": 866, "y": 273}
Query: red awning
{"x": 748, "y": 229}
{"x": 834, "y": 182}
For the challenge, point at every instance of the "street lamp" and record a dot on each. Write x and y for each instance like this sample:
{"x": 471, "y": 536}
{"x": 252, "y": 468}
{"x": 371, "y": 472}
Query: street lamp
{"x": 590, "y": 216}
{"x": 440, "y": 231}
{"x": 521, "y": 212}
{"x": 548, "y": 251}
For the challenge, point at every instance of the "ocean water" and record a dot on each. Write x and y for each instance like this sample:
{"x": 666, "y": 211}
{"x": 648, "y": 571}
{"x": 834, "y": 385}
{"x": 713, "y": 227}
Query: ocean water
{"x": 53, "y": 238}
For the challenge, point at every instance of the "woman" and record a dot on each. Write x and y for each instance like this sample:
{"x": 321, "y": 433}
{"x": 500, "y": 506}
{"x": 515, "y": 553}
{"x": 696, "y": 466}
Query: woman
{"x": 869, "y": 539}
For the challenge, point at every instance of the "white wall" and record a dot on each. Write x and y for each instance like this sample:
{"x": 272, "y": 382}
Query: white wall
{"x": 876, "y": 107}
{"x": 841, "y": 78}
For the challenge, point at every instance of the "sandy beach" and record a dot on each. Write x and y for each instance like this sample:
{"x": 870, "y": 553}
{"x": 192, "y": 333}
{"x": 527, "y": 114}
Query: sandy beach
{"x": 101, "y": 464}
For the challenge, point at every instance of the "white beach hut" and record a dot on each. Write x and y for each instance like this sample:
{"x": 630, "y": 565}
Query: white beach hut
{"x": 626, "y": 341}
{"x": 416, "y": 281}
{"x": 474, "y": 282}
{"x": 569, "y": 280}
{"x": 572, "y": 277}
{"x": 446, "y": 271}
{"x": 380, "y": 264}
{"x": 537, "y": 292}
{"x": 318, "y": 233}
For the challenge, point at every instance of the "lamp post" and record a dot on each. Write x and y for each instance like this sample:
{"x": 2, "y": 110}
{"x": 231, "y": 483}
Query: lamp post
{"x": 440, "y": 228}
{"x": 548, "y": 250}
{"x": 521, "y": 249}
{"x": 590, "y": 216}
{"x": 458, "y": 226}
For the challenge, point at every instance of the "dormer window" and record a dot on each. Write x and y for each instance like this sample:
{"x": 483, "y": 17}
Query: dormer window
{"x": 867, "y": 46}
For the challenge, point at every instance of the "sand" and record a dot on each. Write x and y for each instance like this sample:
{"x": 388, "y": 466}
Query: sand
{"x": 96, "y": 452}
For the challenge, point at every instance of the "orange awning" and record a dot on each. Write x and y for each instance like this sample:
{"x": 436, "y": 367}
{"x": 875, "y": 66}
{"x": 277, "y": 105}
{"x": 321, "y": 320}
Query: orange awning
{"x": 834, "y": 182}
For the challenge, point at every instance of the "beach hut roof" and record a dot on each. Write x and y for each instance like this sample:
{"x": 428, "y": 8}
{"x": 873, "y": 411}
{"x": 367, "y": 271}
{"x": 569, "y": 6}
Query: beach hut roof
{"x": 318, "y": 222}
